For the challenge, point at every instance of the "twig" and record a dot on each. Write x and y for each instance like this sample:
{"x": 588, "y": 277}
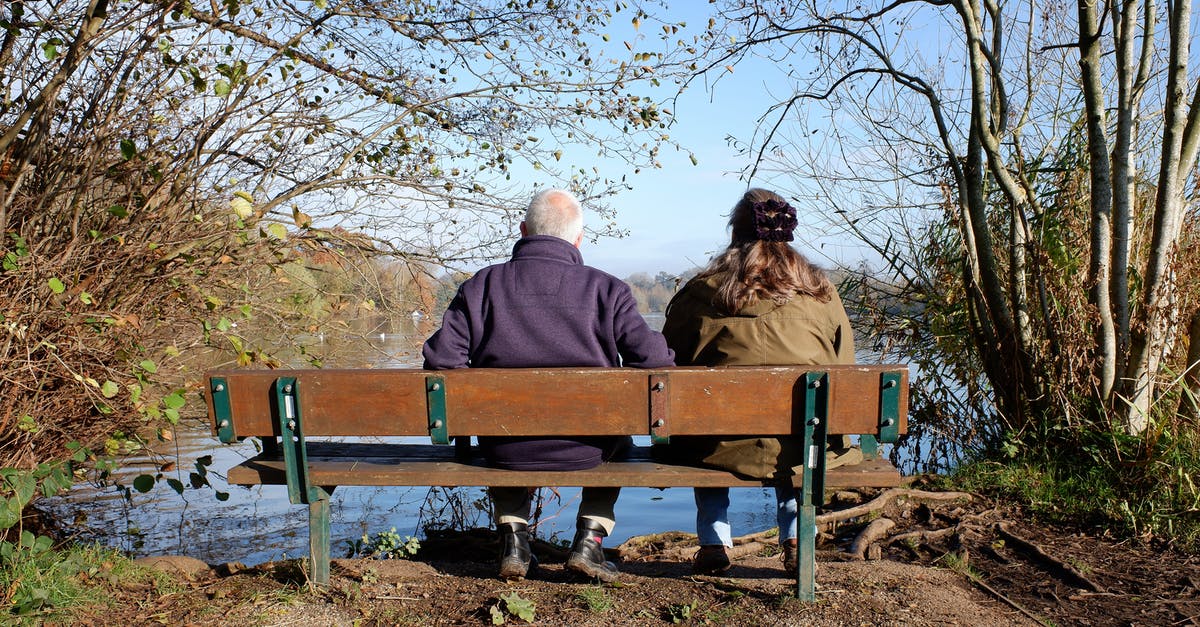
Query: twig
{"x": 1188, "y": 620}
{"x": 1056, "y": 565}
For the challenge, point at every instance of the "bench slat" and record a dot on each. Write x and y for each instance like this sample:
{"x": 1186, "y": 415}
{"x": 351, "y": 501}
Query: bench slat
{"x": 559, "y": 401}
{"x": 343, "y": 464}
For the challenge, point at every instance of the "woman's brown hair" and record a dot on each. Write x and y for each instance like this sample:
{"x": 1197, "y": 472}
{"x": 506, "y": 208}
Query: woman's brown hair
{"x": 762, "y": 269}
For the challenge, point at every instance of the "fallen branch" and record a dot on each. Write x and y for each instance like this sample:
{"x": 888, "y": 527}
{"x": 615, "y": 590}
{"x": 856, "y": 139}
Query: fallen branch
{"x": 1057, "y": 566}
{"x": 877, "y": 529}
{"x": 885, "y": 498}
{"x": 996, "y": 593}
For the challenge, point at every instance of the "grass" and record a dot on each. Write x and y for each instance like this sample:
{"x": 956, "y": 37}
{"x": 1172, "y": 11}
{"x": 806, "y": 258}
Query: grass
{"x": 956, "y": 563}
{"x": 1132, "y": 486}
{"x": 595, "y": 599}
{"x": 43, "y": 585}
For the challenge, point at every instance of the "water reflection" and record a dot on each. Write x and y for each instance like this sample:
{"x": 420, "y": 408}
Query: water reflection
{"x": 258, "y": 524}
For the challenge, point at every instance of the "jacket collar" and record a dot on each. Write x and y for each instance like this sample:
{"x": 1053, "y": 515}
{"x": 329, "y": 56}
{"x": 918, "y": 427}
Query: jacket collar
{"x": 546, "y": 247}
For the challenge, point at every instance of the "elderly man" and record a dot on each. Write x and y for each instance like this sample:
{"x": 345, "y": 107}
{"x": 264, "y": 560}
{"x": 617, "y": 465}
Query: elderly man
{"x": 545, "y": 308}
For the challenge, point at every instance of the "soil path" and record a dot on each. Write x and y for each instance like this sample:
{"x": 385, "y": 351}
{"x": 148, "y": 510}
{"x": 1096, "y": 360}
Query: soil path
{"x": 943, "y": 562}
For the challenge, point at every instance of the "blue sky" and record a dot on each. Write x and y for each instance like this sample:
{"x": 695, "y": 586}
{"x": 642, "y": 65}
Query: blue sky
{"x": 676, "y": 216}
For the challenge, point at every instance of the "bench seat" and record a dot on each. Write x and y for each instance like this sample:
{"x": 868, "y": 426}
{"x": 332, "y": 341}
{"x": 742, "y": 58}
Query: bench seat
{"x": 358, "y": 464}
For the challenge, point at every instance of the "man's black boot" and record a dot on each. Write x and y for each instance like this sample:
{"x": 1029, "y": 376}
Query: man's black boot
{"x": 514, "y": 550}
{"x": 587, "y": 554}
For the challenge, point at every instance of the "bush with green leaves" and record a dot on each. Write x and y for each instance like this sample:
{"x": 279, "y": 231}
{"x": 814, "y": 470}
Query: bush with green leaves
{"x": 385, "y": 545}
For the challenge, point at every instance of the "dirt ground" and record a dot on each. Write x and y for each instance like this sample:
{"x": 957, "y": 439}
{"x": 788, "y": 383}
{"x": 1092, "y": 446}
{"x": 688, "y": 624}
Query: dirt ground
{"x": 935, "y": 560}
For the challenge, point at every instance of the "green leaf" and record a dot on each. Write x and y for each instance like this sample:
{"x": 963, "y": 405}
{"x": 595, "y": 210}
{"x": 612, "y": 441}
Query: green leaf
{"x": 109, "y": 389}
{"x": 85, "y": 298}
{"x": 10, "y": 513}
{"x": 143, "y": 483}
{"x": 128, "y": 149}
{"x": 321, "y": 4}
{"x": 175, "y": 485}
{"x": 175, "y": 400}
{"x": 222, "y": 496}
{"x": 277, "y": 230}
{"x": 42, "y": 543}
{"x": 518, "y": 606}
{"x": 24, "y": 485}
{"x": 118, "y": 210}
{"x": 50, "y": 51}
{"x": 56, "y": 285}
{"x": 149, "y": 366}
{"x": 221, "y": 87}
{"x": 172, "y": 415}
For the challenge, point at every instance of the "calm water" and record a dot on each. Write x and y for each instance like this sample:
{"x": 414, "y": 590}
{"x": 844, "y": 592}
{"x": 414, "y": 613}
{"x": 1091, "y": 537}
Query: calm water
{"x": 259, "y": 524}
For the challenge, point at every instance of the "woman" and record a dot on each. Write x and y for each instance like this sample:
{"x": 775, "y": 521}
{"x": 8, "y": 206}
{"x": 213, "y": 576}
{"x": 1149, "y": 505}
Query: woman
{"x": 758, "y": 303}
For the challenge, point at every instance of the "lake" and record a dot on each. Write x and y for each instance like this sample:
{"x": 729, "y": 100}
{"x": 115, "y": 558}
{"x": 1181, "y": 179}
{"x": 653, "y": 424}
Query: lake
{"x": 258, "y": 524}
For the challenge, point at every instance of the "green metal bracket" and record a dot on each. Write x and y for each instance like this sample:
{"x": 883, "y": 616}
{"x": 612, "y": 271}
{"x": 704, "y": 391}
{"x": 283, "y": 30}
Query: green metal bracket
{"x": 295, "y": 452}
{"x": 816, "y": 409}
{"x": 435, "y": 403}
{"x": 219, "y": 390}
{"x": 889, "y": 406}
{"x": 869, "y": 445}
{"x": 660, "y": 423}
{"x": 812, "y": 494}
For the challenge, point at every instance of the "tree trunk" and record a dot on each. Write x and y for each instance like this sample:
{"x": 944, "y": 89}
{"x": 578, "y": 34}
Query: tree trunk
{"x": 1147, "y": 344}
{"x": 1101, "y": 195}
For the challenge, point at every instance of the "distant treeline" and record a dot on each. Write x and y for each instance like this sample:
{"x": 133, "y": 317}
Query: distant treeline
{"x": 653, "y": 293}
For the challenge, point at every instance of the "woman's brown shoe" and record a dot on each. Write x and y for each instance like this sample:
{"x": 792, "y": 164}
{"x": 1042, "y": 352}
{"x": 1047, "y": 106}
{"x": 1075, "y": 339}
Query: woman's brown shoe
{"x": 791, "y": 557}
{"x": 711, "y": 560}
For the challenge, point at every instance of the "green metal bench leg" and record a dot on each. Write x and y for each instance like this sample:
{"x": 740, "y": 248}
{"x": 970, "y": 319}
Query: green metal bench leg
{"x": 318, "y": 538}
{"x": 815, "y": 410}
{"x": 806, "y": 545}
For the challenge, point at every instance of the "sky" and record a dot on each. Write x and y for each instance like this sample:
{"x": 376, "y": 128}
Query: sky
{"x": 677, "y": 216}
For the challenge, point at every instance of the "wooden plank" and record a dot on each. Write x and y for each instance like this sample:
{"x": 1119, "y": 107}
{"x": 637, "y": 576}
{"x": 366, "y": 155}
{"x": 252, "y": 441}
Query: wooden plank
{"x": 415, "y": 465}
{"x": 558, "y": 401}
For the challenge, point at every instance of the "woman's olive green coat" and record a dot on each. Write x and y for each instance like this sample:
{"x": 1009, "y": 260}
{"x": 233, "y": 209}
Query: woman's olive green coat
{"x": 801, "y": 331}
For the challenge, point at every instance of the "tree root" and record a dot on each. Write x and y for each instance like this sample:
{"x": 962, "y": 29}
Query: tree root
{"x": 874, "y": 531}
{"x": 885, "y": 498}
{"x": 922, "y": 536}
{"x": 1055, "y": 565}
{"x": 682, "y": 546}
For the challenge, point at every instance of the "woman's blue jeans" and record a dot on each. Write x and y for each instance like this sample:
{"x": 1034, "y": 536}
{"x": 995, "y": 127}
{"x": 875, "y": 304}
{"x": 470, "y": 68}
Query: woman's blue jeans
{"x": 712, "y": 515}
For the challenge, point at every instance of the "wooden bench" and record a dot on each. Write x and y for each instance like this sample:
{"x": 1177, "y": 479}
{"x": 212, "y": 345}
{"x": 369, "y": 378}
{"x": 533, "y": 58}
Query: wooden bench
{"x": 290, "y": 409}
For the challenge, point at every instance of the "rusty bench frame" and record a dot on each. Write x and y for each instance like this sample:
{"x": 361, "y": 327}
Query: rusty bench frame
{"x": 285, "y": 408}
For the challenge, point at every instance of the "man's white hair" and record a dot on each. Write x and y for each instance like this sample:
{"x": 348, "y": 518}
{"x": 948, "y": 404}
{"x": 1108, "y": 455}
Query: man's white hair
{"x": 555, "y": 212}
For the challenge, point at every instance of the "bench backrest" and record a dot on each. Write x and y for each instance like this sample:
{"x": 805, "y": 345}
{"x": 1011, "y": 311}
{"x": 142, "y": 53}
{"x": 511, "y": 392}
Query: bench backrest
{"x": 740, "y": 400}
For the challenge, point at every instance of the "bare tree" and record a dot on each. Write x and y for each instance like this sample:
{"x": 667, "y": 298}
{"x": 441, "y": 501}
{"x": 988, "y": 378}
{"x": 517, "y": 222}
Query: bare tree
{"x": 1002, "y": 120}
{"x": 164, "y": 161}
